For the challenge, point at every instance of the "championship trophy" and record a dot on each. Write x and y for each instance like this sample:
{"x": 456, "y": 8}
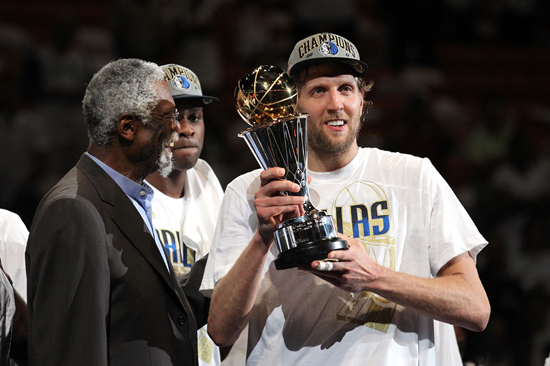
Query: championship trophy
{"x": 266, "y": 99}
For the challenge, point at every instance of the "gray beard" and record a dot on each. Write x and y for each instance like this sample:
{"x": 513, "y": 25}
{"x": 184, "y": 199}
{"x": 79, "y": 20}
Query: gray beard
{"x": 166, "y": 165}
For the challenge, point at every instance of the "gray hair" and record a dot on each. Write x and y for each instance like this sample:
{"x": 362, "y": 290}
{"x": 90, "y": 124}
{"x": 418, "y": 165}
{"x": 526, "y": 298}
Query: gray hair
{"x": 122, "y": 86}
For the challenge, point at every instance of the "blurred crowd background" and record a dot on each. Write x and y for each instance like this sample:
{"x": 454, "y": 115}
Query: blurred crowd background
{"x": 465, "y": 83}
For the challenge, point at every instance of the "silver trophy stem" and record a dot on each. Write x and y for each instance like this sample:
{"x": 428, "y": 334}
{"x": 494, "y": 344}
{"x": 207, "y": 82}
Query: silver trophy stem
{"x": 283, "y": 143}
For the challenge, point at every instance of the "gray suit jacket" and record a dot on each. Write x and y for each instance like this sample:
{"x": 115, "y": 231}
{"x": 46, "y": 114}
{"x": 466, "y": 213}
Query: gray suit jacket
{"x": 99, "y": 292}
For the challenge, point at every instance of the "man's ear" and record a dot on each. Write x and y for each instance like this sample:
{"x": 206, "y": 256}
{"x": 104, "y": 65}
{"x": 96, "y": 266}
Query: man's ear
{"x": 126, "y": 126}
{"x": 362, "y": 103}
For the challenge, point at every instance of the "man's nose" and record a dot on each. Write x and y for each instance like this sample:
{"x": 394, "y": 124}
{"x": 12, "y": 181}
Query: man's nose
{"x": 185, "y": 128}
{"x": 335, "y": 101}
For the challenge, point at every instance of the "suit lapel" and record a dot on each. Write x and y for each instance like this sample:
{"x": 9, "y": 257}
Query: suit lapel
{"x": 128, "y": 219}
{"x": 130, "y": 222}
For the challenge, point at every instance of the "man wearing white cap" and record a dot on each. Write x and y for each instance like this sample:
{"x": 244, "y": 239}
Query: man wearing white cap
{"x": 186, "y": 202}
{"x": 409, "y": 272}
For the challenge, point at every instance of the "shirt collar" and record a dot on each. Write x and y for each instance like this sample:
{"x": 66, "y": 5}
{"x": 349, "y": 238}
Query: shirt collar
{"x": 139, "y": 193}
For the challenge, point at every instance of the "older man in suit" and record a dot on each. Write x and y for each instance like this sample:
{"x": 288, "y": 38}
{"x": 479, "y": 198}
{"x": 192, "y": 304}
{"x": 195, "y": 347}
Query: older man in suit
{"x": 100, "y": 288}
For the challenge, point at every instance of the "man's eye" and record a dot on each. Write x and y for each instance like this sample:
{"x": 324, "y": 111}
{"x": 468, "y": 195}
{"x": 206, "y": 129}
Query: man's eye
{"x": 194, "y": 118}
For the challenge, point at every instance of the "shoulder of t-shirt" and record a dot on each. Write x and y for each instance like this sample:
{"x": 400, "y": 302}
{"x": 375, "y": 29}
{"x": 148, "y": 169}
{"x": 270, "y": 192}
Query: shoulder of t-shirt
{"x": 391, "y": 157}
{"x": 204, "y": 172}
{"x": 202, "y": 167}
{"x": 244, "y": 181}
{"x": 10, "y": 217}
{"x": 11, "y": 225}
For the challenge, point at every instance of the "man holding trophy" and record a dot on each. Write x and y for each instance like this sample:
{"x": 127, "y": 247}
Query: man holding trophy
{"x": 406, "y": 273}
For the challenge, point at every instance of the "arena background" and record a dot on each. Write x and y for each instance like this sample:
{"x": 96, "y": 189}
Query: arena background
{"x": 465, "y": 83}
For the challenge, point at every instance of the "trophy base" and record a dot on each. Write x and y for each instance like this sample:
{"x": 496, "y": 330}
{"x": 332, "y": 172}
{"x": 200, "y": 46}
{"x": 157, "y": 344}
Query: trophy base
{"x": 309, "y": 252}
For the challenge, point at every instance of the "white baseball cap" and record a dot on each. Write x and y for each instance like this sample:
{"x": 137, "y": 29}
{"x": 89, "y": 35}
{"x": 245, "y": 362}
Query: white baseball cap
{"x": 184, "y": 83}
{"x": 325, "y": 47}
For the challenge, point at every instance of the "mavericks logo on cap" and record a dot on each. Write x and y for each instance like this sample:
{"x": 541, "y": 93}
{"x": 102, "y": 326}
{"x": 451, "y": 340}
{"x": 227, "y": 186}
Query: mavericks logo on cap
{"x": 328, "y": 48}
{"x": 181, "y": 77}
{"x": 179, "y": 82}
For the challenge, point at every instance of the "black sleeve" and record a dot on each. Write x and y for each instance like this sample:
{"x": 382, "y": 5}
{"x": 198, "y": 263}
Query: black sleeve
{"x": 68, "y": 286}
{"x": 18, "y": 350}
{"x": 190, "y": 284}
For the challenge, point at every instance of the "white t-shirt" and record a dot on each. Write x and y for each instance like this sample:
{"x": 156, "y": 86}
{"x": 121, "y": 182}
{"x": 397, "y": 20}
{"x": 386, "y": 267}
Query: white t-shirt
{"x": 408, "y": 219}
{"x": 13, "y": 242}
{"x": 185, "y": 227}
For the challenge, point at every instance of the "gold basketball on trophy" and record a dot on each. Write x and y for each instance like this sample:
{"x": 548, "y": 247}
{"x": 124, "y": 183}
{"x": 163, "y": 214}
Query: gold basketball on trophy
{"x": 265, "y": 94}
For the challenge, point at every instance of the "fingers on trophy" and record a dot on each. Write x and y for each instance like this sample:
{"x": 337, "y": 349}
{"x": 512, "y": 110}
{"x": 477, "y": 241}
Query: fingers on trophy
{"x": 266, "y": 99}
